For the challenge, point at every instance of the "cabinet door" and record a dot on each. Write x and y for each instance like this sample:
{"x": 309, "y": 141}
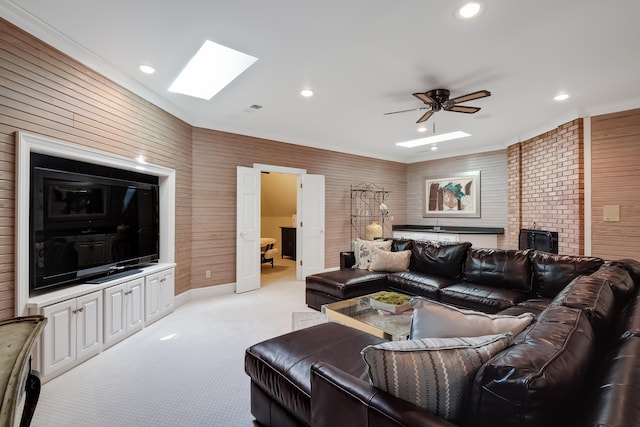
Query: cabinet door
{"x": 167, "y": 290}
{"x": 135, "y": 305}
{"x": 58, "y": 337}
{"x": 115, "y": 326}
{"x": 152, "y": 294}
{"x": 89, "y": 325}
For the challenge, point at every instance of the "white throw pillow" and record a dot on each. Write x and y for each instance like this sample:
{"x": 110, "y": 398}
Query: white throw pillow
{"x": 433, "y": 373}
{"x": 366, "y": 248}
{"x": 431, "y": 319}
{"x": 389, "y": 261}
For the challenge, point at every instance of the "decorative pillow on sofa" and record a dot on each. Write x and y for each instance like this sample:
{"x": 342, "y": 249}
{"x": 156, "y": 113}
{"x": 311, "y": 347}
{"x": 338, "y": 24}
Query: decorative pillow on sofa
{"x": 432, "y": 319}
{"x": 364, "y": 250}
{"x": 389, "y": 261}
{"x": 433, "y": 373}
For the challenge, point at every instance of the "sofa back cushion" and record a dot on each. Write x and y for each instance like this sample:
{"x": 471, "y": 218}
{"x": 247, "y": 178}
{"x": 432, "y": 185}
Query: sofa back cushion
{"x": 594, "y": 296}
{"x": 500, "y": 268}
{"x": 439, "y": 258}
{"x": 619, "y": 279}
{"x": 538, "y": 381}
{"x": 551, "y": 272}
{"x": 399, "y": 245}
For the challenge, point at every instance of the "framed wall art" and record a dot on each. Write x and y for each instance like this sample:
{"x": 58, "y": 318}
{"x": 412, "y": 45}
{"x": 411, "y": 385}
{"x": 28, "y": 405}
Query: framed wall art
{"x": 455, "y": 196}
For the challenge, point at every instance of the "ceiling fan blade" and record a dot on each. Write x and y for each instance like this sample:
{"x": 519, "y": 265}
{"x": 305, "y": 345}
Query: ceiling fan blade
{"x": 424, "y": 98}
{"x": 469, "y": 97}
{"x": 463, "y": 109}
{"x": 425, "y": 116}
{"x": 405, "y": 111}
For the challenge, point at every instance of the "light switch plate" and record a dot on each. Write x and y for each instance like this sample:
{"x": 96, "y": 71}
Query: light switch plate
{"x": 611, "y": 213}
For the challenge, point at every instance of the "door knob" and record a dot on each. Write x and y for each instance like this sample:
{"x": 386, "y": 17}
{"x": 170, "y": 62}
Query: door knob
{"x": 243, "y": 234}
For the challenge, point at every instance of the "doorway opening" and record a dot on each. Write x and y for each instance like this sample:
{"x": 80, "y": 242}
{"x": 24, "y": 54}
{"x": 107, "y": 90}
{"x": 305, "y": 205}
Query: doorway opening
{"x": 278, "y": 213}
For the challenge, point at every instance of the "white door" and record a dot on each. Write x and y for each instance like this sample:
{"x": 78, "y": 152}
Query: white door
{"x": 248, "y": 230}
{"x": 310, "y": 235}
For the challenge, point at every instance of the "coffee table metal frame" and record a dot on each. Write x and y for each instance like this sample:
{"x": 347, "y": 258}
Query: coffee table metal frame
{"x": 358, "y": 313}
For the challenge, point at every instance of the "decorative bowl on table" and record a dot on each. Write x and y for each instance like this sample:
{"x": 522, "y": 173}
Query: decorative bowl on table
{"x": 391, "y": 302}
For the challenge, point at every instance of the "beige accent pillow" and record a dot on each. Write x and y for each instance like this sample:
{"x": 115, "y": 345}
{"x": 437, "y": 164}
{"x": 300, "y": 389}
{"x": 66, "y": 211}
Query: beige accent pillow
{"x": 433, "y": 373}
{"x": 431, "y": 319}
{"x": 389, "y": 261}
{"x": 366, "y": 248}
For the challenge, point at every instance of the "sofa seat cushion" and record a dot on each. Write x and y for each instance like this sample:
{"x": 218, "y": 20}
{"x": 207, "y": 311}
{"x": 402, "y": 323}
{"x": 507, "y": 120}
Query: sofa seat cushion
{"x": 345, "y": 284}
{"x": 431, "y": 319}
{"x": 484, "y": 298}
{"x": 551, "y": 272}
{"x": 614, "y": 401}
{"x": 281, "y": 366}
{"x": 413, "y": 283}
{"x": 629, "y": 319}
{"x": 439, "y": 258}
{"x": 500, "y": 268}
{"x": 533, "y": 305}
{"x": 540, "y": 379}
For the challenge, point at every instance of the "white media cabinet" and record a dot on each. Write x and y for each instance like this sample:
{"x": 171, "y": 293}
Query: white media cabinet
{"x": 85, "y": 319}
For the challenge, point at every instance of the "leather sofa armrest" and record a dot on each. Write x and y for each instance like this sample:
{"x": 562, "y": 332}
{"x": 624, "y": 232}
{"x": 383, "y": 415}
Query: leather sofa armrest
{"x": 347, "y": 260}
{"x": 338, "y": 398}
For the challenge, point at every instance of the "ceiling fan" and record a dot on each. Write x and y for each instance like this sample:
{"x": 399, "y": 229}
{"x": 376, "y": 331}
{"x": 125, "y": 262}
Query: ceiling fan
{"x": 438, "y": 99}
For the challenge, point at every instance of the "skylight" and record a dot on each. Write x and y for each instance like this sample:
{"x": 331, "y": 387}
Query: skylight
{"x": 433, "y": 139}
{"x": 212, "y": 68}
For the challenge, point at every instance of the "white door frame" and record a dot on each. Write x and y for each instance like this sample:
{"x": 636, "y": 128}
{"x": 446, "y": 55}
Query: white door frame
{"x": 282, "y": 169}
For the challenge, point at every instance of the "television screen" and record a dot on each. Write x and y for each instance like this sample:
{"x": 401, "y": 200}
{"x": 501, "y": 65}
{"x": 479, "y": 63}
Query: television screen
{"x": 85, "y": 225}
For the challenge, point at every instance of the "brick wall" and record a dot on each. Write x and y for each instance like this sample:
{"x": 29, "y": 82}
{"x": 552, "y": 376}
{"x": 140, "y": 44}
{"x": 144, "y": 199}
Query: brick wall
{"x": 546, "y": 186}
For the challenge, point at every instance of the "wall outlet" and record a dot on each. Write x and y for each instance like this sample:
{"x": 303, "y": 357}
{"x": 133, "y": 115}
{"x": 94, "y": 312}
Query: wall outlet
{"x": 207, "y": 274}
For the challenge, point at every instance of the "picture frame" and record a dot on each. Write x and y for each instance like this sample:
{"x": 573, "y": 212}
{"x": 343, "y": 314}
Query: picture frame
{"x": 453, "y": 196}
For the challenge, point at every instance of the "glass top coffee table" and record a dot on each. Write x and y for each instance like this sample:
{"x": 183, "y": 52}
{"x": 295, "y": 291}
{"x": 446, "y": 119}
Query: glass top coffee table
{"x": 358, "y": 313}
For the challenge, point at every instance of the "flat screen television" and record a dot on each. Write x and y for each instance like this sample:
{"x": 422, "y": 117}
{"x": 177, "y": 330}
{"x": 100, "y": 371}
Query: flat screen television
{"x": 89, "y": 221}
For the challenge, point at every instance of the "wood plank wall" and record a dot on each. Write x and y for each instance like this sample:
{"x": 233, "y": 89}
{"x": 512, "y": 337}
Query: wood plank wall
{"x": 215, "y": 157}
{"x": 615, "y": 173}
{"x": 493, "y": 189}
{"x": 44, "y": 91}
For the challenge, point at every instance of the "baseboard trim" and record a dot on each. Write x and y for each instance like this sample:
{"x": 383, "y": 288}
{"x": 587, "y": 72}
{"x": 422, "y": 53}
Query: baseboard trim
{"x": 209, "y": 291}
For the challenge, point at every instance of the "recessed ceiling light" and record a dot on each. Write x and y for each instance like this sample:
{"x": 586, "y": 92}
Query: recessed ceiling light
{"x": 306, "y": 93}
{"x": 434, "y": 147}
{"x": 433, "y": 139}
{"x": 422, "y": 129}
{"x": 561, "y": 97}
{"x": 212, "y": 68}
{"x": 147, "y": 69}
{"x": 469, "y": 10}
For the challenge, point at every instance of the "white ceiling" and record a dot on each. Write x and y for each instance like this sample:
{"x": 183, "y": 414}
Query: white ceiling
{"x": 362, "y": 58}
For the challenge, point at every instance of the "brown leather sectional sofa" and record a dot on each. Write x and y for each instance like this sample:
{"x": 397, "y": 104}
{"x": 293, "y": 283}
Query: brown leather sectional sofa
{"x": 577, "y": 364}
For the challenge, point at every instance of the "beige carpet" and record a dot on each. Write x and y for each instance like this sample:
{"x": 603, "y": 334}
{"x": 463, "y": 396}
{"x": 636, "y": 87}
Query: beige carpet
{"x": 184, "y": 370}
